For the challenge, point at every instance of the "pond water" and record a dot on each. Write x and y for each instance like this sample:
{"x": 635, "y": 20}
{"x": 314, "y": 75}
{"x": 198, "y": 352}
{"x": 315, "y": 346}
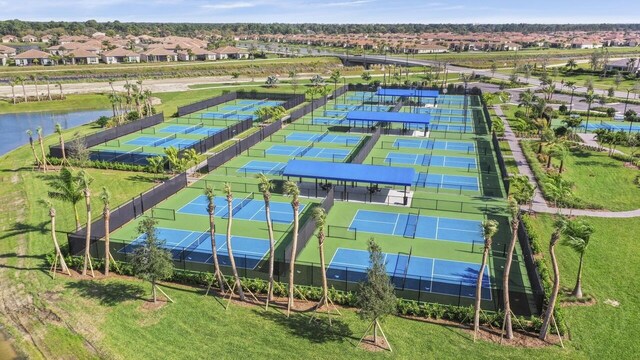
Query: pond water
{"x": 13, "y": 127}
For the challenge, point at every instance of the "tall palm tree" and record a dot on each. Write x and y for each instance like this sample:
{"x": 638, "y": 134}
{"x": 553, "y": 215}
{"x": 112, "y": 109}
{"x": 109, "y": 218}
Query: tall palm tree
{"x": 85, "y": 181}
{"x": 59, "y": 257}
{"x": 577, "y": 236}
{"x": 20, "y": 80}
{"x": 489, "y": 229}
{"x": 320, "y": 218}
{"x": 61, "y": 138}
{"x": 515, "y": 221}
{"x": 335, "y": 79}
{"x": 111, "y": 81}
{"x": 105, "y": 197}
{"x": 66, "y": 187}
{"x": 265, "y": 186}
{"x": 12, "y": 83}
{"x": 33, "y": 148}
{"x": 211, "y": 209}
{"x": 238, "y": 283}
{"x": 291, "y": 189}
{"x": 589, "y": 98}
{"x": 572, "y": 64}
{"x": 41, "y": 142}
{"x": 46, "y": 78}
{"x": 526, "y": 100}
{"x": 34, "y": 78}
{"x": 59, "y": 85}
{"x": 559, "y": 228}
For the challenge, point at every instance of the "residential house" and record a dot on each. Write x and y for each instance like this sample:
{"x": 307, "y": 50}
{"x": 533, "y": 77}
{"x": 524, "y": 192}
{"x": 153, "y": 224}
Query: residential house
{"x": 231, "y": 52}
{"x": 159, "y": 55}
{"x": 9, "y": 51}
{"x": 9, "y": 39}
{"x": 33, "y": 57}
{"x": 120, "y": 55}
{"x": 427, "y": 49}
{"x": 196, "y": 54}
{"x": 46, "y": 38}
{"x": 29, "y": 39}
{"x": 630, "y": 65}
{"x": 511, "y": 47}
{"x": 82, "y": 57}
{"x": 585, "y": 45}
{"x": 4, "y": 59}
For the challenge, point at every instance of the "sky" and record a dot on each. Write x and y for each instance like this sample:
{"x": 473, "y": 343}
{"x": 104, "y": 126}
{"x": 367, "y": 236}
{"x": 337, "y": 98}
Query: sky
{"x": 325, "y": 11}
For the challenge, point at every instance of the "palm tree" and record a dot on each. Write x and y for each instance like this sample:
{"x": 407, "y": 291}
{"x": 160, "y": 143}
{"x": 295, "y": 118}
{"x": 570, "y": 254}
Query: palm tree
{"x": 46, "y": 78}
{"x": 320, "y": 218}
{"x": 111, "y": 81}
{"x": 577, "y": 236}
{"x": 572, "y": 64}
{"x": 589, "y": 98}
{"x": 265, "y": 185}
{"x": 41, "y": 142}
{"x": 335, "y": 79}
{"x": 291, "y": 189}
{"x": 515, "y": 221}
{"x": 559, "y": 190}
{"x": 559, "y": 226}
{"x": 34, "y": 78}
{"x": 238, "y": 283}
{"x": 33, "y": 148}
{"x": 113, "y": 99}
{"x": 61, "y": 138}
{"x": 20, "y": 80}
{"x": 66, "y": 188}
{"x": 59, "y": 256}
{"x": 155, "y": 164}
{"x": 105, "y": 197}
{"x": 84, "y": 181}
{"x": 526, "y": 100}
{"x": 561, "y": 152}
{"x": 489, "y": 229}
{"x": 211, "y": 209}
{"x": 13, "y": 90}
{"x": 59, "y": 85}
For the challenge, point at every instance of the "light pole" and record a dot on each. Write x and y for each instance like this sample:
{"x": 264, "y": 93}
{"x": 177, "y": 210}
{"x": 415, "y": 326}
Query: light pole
{"x": 625, "y": 104}
{"x": 573, "y": 89}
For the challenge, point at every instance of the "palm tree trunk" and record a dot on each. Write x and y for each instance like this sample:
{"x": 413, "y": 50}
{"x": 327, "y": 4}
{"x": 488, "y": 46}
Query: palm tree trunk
{"x": 44, "y": 156}
{"x": 77, "y": 217}
{"x": 24, "y": 92}
{"x": 214, "y": 250}
{"x": 230, "y": 251}
{"x": 153, "y": 291}
{"x": 476, "y": 316}
{"x": 555, "y": 289}
{"x": 49, "y": 91}
{"x": 107, "y": 247}
{"x": 292, "y": 261}
{"x": 63, "y": 263}
{"x": 87, "y": 243}
{"x": 325, "y": 286}
{"x": 35, "y": 154}
{"x": 64, "y": 152}
{"x": 505, "y": 279}
{"x": 267, "y": 211}
{"x": 37, "y": 93}
{"x": 577, "y": 291}
{"x": 13, "y": 94}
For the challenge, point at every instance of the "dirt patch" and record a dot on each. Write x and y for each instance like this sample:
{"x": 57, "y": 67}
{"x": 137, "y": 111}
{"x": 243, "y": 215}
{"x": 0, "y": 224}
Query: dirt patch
{"x": 369, "y": 345}
{"x": 630, "y": 166}
{"x": 572, "y": 302}
{"x": 149, "y": 305}
{"x": 520, "y": 339}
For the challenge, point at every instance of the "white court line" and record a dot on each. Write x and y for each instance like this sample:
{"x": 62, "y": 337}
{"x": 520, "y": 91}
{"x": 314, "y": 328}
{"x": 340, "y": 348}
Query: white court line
{"x": 433, "y": 267}
{"x": 183, "y": 247}
{"x": 256, "y": 213}
{"x": 437, "y": 227}
{"x": 396, "y": 224}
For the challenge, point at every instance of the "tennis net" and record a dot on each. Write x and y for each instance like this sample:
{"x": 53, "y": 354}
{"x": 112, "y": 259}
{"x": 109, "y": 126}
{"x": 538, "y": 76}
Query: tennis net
{"x": 163, "y": 213}
{"x": 123, "y": 155}
{"x": 247, "y": 107}
{"x": 164, "y": 140}
{"x": 193, "y": 128}
{"x": 324, "y": 135}
{"x": 242, "y": 204}
{"x": 426, "y": 160}
{"x": 305, "y": 151}
{"x": 412, "y": 225}
{"x": 201, "y": 238}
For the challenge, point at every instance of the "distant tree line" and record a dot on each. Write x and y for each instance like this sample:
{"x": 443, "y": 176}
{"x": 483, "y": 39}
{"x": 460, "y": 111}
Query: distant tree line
{"x": 18, "y": 27}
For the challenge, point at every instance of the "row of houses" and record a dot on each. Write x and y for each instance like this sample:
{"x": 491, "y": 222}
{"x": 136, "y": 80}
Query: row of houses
{"x": 64, "y": 54}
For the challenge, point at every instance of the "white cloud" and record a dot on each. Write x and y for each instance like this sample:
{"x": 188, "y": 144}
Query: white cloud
{"x": 229, "y": 6}
{"x": 346, "y": 3}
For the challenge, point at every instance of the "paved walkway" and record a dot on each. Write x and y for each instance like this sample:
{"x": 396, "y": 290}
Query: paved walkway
{"x": 590, "y": 139}
{"x": 539, "y": 204}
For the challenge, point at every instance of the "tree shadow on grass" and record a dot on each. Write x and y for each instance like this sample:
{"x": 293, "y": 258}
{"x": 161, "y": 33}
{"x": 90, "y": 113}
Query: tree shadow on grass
{"x": 20, "y": 228}
{"x": 108, "y": 293}
{"x": 314, "y": 331}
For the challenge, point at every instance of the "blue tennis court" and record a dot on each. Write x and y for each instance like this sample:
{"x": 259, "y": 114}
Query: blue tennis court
{"x": 441, "y": 181}
{"x": 161, "y": 142}
{"x": 324, "y": 138}
{"x": 410, "y": 272}
{"x": 226, "y": 115}
{"x": 431, "y": 160}
{"x": 258, "y": 102}
{"x": 460, "y": 146}
{"x": 610, "y": 126}
{"x": 449, "y": 127}
{"x": 412, "y": 225}
{"x": 264, "y": 167}
{"x": 336, "y": 113}
{"x": 440, "y": 111}
{"x": 191, "y": 129}
{"x": 443, "y": 119}
{"x": 327, "y": 121}
{"x": 243, "y": 209}
{"x": 302, "y": 151}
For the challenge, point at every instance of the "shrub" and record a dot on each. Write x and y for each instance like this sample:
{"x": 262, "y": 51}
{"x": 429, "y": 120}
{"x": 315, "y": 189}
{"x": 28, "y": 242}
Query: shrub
{"x": 102, "y": 121}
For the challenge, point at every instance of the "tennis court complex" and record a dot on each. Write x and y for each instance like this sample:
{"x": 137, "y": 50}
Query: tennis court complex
{"x": 431, "y": 160}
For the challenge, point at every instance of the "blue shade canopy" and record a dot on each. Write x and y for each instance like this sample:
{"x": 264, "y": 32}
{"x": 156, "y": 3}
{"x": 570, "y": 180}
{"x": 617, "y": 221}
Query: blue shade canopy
{"x": 408, "y": 93}
{"x": 393, "y": 117}
{"x": 373, "y": 174}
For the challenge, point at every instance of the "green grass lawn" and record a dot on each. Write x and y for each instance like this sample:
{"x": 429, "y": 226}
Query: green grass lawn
{"x": 611, "y": 271}
{"x": 71, "y": 101}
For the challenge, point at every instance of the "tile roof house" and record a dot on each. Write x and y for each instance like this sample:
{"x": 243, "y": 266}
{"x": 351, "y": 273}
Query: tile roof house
{"x": 196, "y": 54}
{"x": 6, "y": 50}
{"x": 4, "y": 59}
{"x": 81, "y": 56}
{"x": 33, "y": 57}
{"x": 8, "y": 39}
{"x": 159, "y": 55}
{"x": 29, "y": 39}
{"x": 46, "y": 38}
{"x": 120, "y": 55}
{"x": 630, "y": 65}
{"x": 231, "y": 52}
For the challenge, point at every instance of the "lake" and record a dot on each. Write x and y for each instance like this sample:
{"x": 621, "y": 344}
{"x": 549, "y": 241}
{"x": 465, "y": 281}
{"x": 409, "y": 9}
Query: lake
{"x": 13, "y": 127}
